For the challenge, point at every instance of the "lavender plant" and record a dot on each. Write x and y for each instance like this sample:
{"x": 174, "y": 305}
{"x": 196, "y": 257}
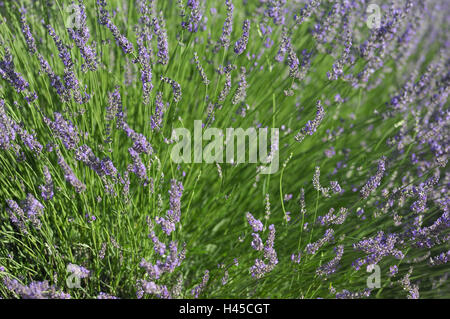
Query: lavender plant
{"x": 89, "y": 191}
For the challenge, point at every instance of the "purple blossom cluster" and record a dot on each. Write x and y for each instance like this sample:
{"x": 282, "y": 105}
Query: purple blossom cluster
{"x": 241, "y": 44}
{"x": 80, "y": 35}
{"x": 104, "y": 167}
{"x": 275, "y": 11}
{"x": 374, "y": 181}
{"x": 10, "y": 129}
{"x": 312, "y": 248}
{"x": 331, "y": 219}
{"x": 69, "y": 175}
{"x": 35, "y": 290}
{"x": 224, "y": 40}
{"x": 9, "y": 74}
{"x": 47, "y": 188}
{"x": 173, "y": 215}
{"x": 64, "y": 130}
{"x": 377, "y": 248}
{"x": 256, "y": 224}
{"x": 176, "y": 88}
{"x": 105, "y": 19}
{"x": 311, "y": 126}
{"x": 173, "y": 259}
{"x": 195, "y": 16}
{"x": 144, "y": 59}
{"x": 440, "y": 259}
{"x": 29, "y": 212}
{"x": 401, "y": 210}
{"x": 331, "y": 266}
{"x": 197, "y": 290}
{"x": 78, "y": 271}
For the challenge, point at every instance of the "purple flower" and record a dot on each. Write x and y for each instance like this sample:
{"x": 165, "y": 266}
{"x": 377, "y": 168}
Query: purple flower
{"x": 152, "y": 288}
{"x": 296, "y": 258}
{"x": 29, "y": 211}
{"x": 138, "y": 166}
{"x": 114, "y": 110}
{"x": 55, "y": 80}
{"x": 440, "y": 259}
{"x": 275, "y": 11}
{"x": 331, "y": 266}
{"x": 345, "y": 294}
{"x": 224, "y": 40}
{"x": 200, "y": 69}
{"x": 284, "y": 45}
{"x": 103, "y": 295}
{"x": 241, "y": 92}
{"x": 393, "y": 270}
{"x": 331, "y": 219}
{"x": 78, "y": 271}
{"x": 80, "y": 36}
{"x": 174, "y": 213}
{"x": 144, "y": 60}
{"x": 29, "y": 39}
{"x": 330, "y": 152}
{"x": 65, "y": 130}
{"x": 69, "y": 174}
{"x": 64, "y": 53}
{"x": 261, "y": 267}
{"x": 377, "y": 248}
{"x": 102, "y": 167}
{"x": 7, "y": 129}
{"x": 8, "y": 73}
{"x": 105, "y": 20}
{"x": 194, "y": 17}
{"x": 197, "y": 290}
{"x": 17, "y": 215}
{"x": 312, "y": 248}
{"x": 311, "y": 126}
{"x": 257, "y": 243}
{"x": 157, "y": 118}
{"x": 375, "y": 180}
{"x": 35, "y": 290}
{"x": 140, "y": 143}
{"x": 335, "y": 187}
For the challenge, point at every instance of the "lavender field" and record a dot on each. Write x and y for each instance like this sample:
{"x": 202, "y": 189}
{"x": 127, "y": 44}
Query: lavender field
{"x": 120, "y": 178}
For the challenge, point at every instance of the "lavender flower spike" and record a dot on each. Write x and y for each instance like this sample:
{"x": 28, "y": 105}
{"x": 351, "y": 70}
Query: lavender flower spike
{"x": 375, "y": 180}
{"x": 69, "y": 174}
{"x": 162, "y": 44}
{"x": 197, "y": 290}
{"x": 105, "y": 20}
{"x": 224, "y": 40}
{"x": 157, "y": 118}
{"x": 8, "y": 73}
{"x": 29, "y": 39}
{"x": 311, "y": 126}
{"x": 241, "y": 44}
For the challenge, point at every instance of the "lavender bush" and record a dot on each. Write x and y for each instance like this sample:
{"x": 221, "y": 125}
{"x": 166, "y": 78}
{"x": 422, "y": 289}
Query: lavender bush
{"x": 92, "y": 205}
